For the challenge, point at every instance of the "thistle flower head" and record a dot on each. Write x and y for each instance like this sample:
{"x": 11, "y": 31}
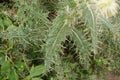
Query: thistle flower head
{"x": 107, "y": 8}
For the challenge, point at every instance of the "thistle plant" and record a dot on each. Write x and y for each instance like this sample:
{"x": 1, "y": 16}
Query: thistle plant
{"x": 59, "y": 39}
{"x": 73, "y": 12}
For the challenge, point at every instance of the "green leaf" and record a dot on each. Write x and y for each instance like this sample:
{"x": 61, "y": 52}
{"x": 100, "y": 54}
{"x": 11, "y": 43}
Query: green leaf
{"x": 12, "y": 28}
{"x": 36, "y": 79}
{"x": 1, "y": 24}
{"x": 37, "y": 70}
{"x": 20, "y": 66}
{"x": 7, "y": 22}
{"x": 2, "y": 59}
{"x": 1, "y": 21}
{"x": 13, "y": 75}
{"x": 5, "y": 67}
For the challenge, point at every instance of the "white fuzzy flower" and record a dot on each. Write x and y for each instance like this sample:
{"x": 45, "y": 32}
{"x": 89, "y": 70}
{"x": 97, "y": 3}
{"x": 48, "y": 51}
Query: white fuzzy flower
{"x": 107, "y": 8}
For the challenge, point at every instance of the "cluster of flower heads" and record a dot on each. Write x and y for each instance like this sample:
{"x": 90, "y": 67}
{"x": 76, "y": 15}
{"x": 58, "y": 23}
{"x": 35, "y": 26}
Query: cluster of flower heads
{"x": 106, "y": 8}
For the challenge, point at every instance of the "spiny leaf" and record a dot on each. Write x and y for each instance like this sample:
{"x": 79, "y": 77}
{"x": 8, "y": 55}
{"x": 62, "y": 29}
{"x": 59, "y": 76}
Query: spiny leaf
{"x": 111, "y": 27}
{"x": 57, "y": 33}
{"x": 82, "y": 46}
{"x": 91, "y": 23}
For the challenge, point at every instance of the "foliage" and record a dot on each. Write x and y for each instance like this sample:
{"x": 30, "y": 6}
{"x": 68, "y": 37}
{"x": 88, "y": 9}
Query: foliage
{"x": 57, "y": 40}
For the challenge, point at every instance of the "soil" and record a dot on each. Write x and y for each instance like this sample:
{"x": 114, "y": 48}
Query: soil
{"x": 111, "y": 76}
